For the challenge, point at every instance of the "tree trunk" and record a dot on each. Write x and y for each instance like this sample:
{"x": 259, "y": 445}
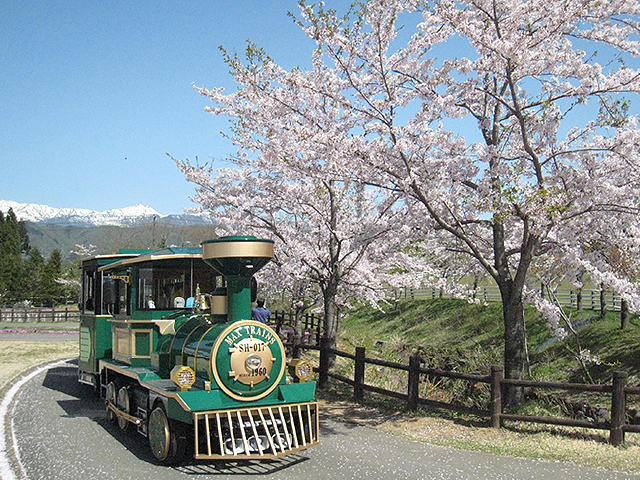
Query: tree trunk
{"x": 512, "y": 309}
{"x": 579, "y": 299}
{"x": 514, "y": 341}
{"x": 330, "y": 323}
{"x": 624, "y": 314}
{"x": 330, "y": 286}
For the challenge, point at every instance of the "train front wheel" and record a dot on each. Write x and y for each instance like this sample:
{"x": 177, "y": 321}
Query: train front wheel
{"x": 166, "y": 438}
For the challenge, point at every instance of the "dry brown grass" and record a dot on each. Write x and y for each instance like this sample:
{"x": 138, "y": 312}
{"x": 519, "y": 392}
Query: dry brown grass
{"x": 18, "y": 356}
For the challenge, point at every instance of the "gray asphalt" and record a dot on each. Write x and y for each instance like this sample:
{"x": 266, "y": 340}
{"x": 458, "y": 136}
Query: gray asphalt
{"x": 62, "y": 433}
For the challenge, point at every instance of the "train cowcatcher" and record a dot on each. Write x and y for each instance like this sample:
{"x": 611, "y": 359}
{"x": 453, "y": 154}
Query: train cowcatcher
{"x": 166, "y": 337}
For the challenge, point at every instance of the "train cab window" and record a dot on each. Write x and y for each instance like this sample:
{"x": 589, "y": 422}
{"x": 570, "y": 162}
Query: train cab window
{"x": 165, "y": 288}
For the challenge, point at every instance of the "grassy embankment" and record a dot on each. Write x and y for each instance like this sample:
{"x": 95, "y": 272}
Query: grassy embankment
{"x": 455, "y": 335}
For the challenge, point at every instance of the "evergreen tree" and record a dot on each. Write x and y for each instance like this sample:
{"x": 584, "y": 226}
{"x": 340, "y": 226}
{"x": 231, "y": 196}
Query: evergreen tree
{"x": 52, "y": 270}
{"x": 24, "y": 237}
{"x": 34, "y": 269}
{"x": 12, "y": 281}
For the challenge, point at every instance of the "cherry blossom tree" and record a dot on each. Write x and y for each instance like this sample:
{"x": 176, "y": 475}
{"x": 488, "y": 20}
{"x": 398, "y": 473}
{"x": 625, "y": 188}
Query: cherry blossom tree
{"x": 502, "y": 127}
{"x": 335, "y": 242}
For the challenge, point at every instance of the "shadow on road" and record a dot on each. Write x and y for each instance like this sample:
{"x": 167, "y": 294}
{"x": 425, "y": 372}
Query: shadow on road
{"x": 247, "y": 467}
{"x": 84, "y": 403}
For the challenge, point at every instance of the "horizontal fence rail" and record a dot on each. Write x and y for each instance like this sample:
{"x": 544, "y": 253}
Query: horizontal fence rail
{"x": 618, "y": 391}
{"x": 38, "y": 314}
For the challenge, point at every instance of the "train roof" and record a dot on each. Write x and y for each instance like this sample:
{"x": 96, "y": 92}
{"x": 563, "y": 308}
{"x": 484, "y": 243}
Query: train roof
{"x": 169, "y": 253}
{"x": 106, "y": 259}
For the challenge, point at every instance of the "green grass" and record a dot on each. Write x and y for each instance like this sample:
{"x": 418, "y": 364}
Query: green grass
{"x": 456, "y": 335}
{"x": 469, "y": 337}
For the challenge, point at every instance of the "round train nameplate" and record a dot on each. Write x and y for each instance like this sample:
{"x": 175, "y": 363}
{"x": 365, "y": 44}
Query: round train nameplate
{"x": 248, "y": 360}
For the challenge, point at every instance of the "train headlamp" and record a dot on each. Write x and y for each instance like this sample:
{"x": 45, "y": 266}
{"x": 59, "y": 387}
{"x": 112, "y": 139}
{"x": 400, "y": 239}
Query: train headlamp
{"x": 184, "y": 377}
{"x": 253, "y": 362}
{"x": 300, "y": 370}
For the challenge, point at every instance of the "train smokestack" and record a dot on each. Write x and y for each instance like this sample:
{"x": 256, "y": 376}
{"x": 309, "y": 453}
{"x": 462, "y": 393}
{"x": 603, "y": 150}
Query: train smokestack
{"x": 238, "y": 258}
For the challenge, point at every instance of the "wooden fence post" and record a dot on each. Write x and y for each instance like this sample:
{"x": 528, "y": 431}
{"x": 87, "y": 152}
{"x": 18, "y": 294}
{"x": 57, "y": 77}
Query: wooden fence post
{"x": 497, "y": 375}
{"x": 323, "y": 375}
{"x": 358, "y": 376}
{"x": 618, "y": 408}
{"x": 413, "y": 390}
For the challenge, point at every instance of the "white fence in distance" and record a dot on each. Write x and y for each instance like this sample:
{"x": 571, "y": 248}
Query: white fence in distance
{"x": 490, "y": 293}
{"x": 38, "y": 315}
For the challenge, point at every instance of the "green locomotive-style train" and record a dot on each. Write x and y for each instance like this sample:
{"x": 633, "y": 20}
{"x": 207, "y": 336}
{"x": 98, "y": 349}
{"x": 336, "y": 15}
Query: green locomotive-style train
{"x": 166, "y": 337}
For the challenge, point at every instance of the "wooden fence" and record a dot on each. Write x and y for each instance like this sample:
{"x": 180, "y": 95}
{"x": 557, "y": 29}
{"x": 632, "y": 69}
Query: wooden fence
{"x": 285, "y": 321}
{"x": 588, "y": 299}
{"x": 284, "y": 324}
{"x": 618, "y": 389}
{"x": 38, "y": 314}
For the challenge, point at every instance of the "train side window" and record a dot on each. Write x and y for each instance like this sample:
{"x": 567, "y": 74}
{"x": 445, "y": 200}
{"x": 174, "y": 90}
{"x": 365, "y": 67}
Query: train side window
{"x": 159, "y": 287}
{"x": 167, "y": 288}
{"x": 88, "y": 290}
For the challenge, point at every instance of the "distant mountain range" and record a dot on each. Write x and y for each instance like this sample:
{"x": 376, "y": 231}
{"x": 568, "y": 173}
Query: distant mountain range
{"x": 81, "y": 217}
{"x": 131, "y": 227}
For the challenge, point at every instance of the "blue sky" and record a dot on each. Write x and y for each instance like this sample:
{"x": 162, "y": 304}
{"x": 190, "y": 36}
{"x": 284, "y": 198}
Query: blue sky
{"x": 94, "y": 94}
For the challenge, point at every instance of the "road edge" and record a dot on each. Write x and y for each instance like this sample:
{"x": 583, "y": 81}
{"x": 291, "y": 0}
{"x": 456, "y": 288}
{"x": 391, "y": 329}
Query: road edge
{"x": 9, "y": 457}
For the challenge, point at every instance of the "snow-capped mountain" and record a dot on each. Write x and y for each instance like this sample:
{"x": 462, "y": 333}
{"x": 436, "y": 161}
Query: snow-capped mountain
{"x": 79, "y": 216}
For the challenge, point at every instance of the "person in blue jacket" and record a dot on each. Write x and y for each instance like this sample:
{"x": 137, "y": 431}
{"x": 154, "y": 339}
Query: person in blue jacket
{"x": 260, "y": 313}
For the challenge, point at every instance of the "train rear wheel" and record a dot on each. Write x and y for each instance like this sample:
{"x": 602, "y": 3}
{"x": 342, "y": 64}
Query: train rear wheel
{"x": 123, "y": 404}
{"x": 111, "y": 398}
{"x": 166, "y": 438}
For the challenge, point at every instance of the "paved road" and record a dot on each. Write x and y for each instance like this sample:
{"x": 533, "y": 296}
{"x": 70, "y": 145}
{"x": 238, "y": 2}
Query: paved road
{"x": 62, "y": 434}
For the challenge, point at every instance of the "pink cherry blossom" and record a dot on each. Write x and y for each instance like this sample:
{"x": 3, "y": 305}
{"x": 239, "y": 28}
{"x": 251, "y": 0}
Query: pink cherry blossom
{"x": 500, "y": 132}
